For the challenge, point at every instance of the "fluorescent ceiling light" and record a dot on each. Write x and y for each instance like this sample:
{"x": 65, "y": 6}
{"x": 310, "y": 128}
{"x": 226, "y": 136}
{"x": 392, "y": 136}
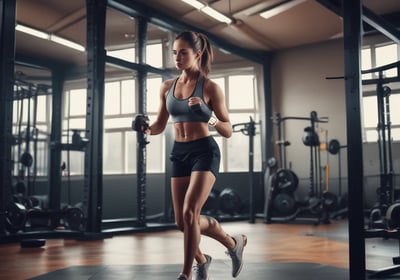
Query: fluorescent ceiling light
{"x": 215, "y": 14}
{"x": 50, "y": 37}
{"x": 198, "y": 5}
{"x": 280, "y": 8}
{"x": 32, "y": 31}
{"x": 67, "y": 43}
{"x": 208, "y": 10}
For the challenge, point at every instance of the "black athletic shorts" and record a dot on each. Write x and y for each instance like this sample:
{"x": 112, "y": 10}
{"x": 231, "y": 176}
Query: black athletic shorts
{"x": 198, "y": 155}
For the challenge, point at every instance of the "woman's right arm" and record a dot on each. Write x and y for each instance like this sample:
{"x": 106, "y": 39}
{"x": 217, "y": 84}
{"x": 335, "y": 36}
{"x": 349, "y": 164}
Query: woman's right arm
{"x": 161, "y": 120}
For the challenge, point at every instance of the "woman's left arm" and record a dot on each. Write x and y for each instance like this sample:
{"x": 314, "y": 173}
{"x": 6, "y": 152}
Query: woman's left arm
{"x": 217, "y": 103}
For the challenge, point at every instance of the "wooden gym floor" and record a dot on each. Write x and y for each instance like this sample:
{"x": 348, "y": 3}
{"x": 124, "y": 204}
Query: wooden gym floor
{"x": 274, "y": 251}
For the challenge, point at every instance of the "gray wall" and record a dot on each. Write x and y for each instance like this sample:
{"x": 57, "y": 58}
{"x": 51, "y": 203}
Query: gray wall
{"x": 299, "y": 86}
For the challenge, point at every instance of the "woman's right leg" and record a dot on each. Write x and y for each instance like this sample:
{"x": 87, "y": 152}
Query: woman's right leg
{"x": 179, "y": 186}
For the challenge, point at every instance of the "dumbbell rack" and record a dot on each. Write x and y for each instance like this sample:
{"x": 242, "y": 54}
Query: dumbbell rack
{"x": 272, "y": 182}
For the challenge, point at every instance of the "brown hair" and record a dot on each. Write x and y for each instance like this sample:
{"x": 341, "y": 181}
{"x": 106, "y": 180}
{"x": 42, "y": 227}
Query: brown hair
{"x": 199, "y": 42}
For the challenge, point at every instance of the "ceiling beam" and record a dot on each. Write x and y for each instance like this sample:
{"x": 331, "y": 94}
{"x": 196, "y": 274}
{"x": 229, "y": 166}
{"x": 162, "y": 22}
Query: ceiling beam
{"x": 68, "y": 20}
{"x": 377, "y": 22}
{"x": 334, "y": 6}
{"x": 257, "y": 8}
{"x": 381, "y": 25}
{"x": 281, "y": 8}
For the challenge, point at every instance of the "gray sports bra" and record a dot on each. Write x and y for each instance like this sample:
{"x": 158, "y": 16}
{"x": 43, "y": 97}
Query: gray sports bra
{"x": 179, "y": 110}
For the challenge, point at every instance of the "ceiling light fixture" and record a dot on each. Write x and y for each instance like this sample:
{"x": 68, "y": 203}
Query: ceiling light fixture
{"x": 216, "y": 15}
{"x": 209, "y": 11}
{"x": 67, "y": 43}
{"x": 50, "y": 37}
{"x": 33, "y": 32}
{"x": 280, "y": 8}
{"x": 194, "y": 3}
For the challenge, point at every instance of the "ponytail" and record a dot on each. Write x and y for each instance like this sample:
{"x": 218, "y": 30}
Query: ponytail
{"x": 207, "y": 56}
{"x": 199, "y": 42}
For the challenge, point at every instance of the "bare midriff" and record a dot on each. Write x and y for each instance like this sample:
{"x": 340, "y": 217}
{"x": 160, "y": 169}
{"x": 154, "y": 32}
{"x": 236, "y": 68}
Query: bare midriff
{"x": 190, "y": 131}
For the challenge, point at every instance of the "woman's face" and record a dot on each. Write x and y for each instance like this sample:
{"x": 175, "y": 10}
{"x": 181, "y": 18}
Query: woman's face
{"x": 184, "y": 56}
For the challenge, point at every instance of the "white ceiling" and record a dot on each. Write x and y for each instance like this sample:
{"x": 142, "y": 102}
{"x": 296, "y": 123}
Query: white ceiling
{"x": 304, "y": 23}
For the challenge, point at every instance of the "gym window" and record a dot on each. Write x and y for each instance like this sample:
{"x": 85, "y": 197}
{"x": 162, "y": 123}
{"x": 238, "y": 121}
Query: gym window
{"x": 371, "y": 57}
{"x": 240, "y": 96}
{"x": 25, "y": 100}
{"x": 74, "y": 118}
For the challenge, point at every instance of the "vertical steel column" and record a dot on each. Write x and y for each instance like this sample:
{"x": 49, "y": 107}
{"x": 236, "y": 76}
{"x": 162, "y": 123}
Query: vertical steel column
{"x": 251, "y": 129}
{"x": 55, "y": 140}
{"x": 7, "y": 59}
{"x": 169, "y": 142}
{"x": 352, "y": 49}
{"x": 266, "y": 130}
{"x": 386, "y": 192}
{"x": 93, "y": 183}
{"x": 267, "y": 127}
{"x": 141, "y": 31}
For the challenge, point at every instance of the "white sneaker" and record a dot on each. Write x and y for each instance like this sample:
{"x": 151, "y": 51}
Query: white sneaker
{"x": 200, "y": 271}
{"x": 236, "y": 254}
{"x": 182, "y": 277}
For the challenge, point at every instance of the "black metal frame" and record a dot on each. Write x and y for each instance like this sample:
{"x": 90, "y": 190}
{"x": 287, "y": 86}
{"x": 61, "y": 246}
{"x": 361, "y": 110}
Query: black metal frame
{"x": 93, "y": 183}
{"x": 386, "y": 190}
{"x": 352, "y": 13}
{"x": 55, "y": 137}
{"x": 141, "y": 137}
{"x": 7, "y": 59}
